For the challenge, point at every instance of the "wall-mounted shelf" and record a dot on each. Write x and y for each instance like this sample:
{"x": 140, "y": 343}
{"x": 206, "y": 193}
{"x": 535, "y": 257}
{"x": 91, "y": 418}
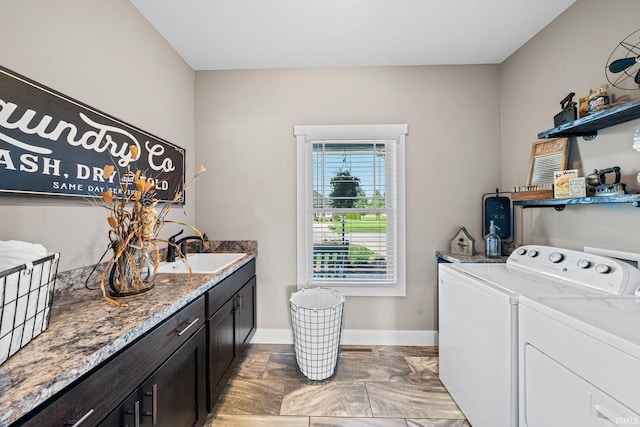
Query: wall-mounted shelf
{"x": 559, "y": 204}
{"x": 588, "y": 126}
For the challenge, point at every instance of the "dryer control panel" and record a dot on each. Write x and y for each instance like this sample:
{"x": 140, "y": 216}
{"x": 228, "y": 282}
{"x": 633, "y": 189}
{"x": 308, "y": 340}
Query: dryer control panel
{"x": 593, "y": 271}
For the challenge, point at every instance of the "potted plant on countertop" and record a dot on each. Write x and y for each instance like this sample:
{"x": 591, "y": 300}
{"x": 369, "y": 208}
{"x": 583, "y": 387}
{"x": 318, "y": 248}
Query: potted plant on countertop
{"x": 135, "y": 221}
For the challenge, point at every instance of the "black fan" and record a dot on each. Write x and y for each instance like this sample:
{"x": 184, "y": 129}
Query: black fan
{"x": 622, "y": 68}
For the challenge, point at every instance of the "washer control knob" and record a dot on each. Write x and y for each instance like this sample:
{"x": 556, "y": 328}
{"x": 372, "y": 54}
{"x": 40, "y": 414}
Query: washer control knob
{"x": 555, "y": 257}
{"x": 533, "y": 253}
{"x": 521, "y": 251}
{"x": 584, "y": 263}
{"x": 603, "y": 268}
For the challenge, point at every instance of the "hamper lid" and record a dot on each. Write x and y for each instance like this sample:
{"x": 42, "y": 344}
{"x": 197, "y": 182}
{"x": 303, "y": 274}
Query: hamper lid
{"x": 316, "y": 298}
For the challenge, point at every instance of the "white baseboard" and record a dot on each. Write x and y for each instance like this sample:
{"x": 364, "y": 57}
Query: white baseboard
{"x": 355, "y": 337}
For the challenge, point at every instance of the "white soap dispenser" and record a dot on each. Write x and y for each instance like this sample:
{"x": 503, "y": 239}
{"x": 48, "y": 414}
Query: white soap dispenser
{"x": 492, "y": 242}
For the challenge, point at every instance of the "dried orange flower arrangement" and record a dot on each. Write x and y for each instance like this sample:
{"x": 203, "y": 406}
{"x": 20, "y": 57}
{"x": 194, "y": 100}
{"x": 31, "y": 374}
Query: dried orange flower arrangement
{"x": 135, "y": 223}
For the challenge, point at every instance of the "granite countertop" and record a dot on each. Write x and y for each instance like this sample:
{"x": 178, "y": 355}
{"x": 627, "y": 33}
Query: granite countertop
{"x": 85, "y": 330}
{"x": 449, "y": 257}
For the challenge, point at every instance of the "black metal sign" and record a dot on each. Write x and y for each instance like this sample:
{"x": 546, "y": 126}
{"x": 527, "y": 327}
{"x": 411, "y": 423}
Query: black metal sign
{"x": 52, "y": 144}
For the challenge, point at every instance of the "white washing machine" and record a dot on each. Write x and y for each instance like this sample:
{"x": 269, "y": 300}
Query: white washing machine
{"x": 478, "y": 320}
{"x": 579, "y": 361}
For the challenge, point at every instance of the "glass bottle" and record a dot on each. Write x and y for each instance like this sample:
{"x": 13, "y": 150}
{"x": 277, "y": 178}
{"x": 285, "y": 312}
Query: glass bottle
{"x": 599, "y": 98}
{"x": 492, "y": 242}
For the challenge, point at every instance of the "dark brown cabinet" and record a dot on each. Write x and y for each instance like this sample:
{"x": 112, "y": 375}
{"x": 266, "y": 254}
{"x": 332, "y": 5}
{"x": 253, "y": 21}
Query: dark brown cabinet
{"x": 174, "y": 395}
{"x": 245, "y": 315}
{"x": 121, "y": 381}
{"x": 127, "y": 414}
{"x": 222, "y": 349}
{"x": 231, "y": 324}
{"x": 170, "y": 376}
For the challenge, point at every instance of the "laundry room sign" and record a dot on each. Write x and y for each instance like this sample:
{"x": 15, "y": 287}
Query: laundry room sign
{"x": 54, "y": 145}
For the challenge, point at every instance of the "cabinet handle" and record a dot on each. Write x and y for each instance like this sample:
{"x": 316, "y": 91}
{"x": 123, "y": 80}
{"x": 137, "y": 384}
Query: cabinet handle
{"x": 154, "y": 404}
{"x": 188, "y": 326}
{"x": 605, "y": 413}
{"x": 136, "y": 414}
{"x": 82, "y": 419}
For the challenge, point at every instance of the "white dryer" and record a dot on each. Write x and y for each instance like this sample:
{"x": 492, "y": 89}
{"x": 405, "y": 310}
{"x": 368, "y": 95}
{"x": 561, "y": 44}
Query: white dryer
{"x": 478, "y": 320}
{"x": 579, "y": 361}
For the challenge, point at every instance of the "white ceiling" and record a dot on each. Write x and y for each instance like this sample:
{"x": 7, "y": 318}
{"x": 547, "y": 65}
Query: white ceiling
{"x": 245, "y": 34}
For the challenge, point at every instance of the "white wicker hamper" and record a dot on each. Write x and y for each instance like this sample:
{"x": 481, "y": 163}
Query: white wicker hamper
{"x": 316, "y": 318}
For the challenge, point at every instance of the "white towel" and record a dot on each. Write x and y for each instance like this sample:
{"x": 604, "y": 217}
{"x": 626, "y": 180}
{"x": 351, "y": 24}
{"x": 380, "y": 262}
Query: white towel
{"x": 14, "y": 253}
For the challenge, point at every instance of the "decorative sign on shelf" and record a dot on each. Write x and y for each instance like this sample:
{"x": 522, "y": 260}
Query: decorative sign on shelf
{"x": 54, "y": 145}
{"x": 546, "y": 157}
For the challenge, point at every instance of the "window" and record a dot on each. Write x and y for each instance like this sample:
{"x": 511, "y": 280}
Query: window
{"x": 351, "y": 225}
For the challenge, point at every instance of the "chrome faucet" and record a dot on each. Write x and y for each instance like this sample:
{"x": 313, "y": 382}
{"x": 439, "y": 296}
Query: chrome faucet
{"x": 182, "y": 245}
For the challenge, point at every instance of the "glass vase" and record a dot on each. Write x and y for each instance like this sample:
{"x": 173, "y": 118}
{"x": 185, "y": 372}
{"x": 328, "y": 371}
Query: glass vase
{"x": 132, "y": 273}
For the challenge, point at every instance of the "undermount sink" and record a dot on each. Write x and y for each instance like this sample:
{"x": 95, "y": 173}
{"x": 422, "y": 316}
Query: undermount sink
{"x": 200, "y": 263}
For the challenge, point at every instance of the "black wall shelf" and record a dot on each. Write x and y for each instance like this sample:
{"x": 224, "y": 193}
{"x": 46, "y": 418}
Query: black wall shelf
{"x": 588, "y": 126}
{"x": 559, "y": 204}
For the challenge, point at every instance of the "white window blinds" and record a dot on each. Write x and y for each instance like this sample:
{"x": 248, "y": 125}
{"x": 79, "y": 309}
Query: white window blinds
{"x": 352, "y": 221}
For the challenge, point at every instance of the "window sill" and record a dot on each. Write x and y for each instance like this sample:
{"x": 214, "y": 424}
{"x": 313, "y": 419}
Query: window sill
{"x": 397, "y": 290}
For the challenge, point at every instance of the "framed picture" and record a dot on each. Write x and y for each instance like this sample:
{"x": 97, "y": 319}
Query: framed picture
{"x": 547, "y": 157}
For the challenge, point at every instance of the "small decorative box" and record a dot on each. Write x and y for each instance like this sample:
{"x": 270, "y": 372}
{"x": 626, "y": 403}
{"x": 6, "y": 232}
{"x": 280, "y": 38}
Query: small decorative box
{"x": 578, "y": 187}
{"x": 561, "y": 189}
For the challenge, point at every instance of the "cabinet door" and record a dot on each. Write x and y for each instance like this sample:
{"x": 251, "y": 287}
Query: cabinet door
{"x": 175, "y": 395}
{"x": 221, "y": 348}
{"x": 245, "y": 315}
{"x": 126, "y": 414}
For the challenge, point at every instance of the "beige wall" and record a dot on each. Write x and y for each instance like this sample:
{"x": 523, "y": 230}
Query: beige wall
{"x": 466, "y": 124}
{"x": 244, "y": 130}
{"x": 105, "y": 54}
{"x": 570, "y": 56}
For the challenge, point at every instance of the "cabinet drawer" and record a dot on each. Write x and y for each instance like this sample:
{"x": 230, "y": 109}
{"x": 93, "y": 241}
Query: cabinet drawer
{"x": 220, "y": 293}
{"x": 103, "y": 389}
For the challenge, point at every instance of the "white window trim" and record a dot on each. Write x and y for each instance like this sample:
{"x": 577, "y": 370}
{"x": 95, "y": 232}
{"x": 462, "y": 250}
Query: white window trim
{"x": 303, "y": 135}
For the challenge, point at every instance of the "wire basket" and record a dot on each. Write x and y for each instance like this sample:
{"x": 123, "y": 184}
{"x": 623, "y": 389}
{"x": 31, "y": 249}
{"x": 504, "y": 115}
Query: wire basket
{"x": 26, "y": 294}
{"x": 316, "y": 317}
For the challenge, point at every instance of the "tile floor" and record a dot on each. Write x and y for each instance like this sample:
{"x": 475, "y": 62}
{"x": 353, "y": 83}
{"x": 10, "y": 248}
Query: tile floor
{"x": 374, "y": 386}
